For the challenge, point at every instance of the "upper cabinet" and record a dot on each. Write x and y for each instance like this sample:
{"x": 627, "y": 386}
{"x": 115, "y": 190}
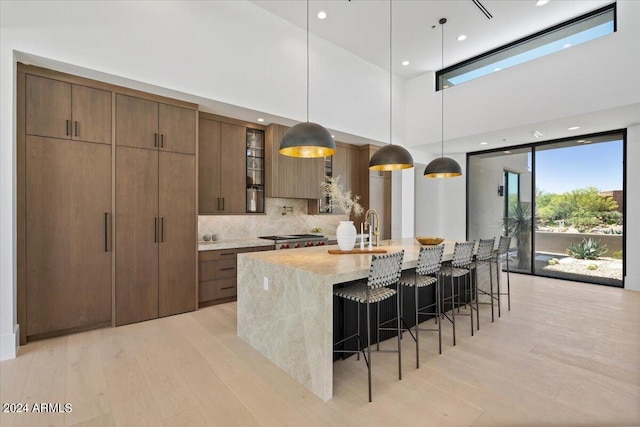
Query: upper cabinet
{"x": 222, "y": 166}
{"x": 142, "y": 123}
{"x": 64, "y": 110}
{"x": 290, "y": 177}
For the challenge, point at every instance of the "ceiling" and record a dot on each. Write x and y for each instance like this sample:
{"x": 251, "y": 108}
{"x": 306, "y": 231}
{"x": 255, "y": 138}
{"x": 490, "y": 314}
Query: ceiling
{"x": 362, "y": 26}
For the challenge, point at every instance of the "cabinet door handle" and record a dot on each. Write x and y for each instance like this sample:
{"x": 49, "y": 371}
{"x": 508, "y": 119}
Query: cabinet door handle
{"x": 162, "y": 230}
{"x": 76, "y": 127}
{"x": 162, "y": 140}
{"x": 228, "y": 253}
{"x": 227, "y": 268}
{"x": 227, "y": 287}
{"x": 155, "y": 229}
{"x": 67, "y": 128}
{"x": 218, "y": 203}
{"x": 106, "y": 232}
{"x": 223, "y": 203}
{"x": 155, "y": 139}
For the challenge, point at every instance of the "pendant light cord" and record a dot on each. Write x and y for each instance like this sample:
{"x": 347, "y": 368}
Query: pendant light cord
{"x": 442, "y": 22}
{"x": 307, "y": 61}
{"x": 390, "y": 71}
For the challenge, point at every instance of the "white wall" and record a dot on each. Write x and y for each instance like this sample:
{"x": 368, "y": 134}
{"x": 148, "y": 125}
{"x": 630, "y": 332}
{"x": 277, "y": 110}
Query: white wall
{"x": 440, "y": 204}
{"x": 632, "y": 216}
{"x": 229, "y": 51}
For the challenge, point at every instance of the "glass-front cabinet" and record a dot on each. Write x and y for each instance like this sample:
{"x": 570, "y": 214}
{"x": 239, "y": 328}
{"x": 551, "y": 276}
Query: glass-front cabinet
{"x": 255, "y": 171}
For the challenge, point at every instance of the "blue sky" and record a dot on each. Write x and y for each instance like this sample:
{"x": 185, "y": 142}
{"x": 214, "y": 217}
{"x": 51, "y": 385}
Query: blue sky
{"x": 588, "y": 165}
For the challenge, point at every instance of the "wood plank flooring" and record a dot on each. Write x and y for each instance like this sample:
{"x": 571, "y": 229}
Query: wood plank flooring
{"x": 567, "y": 354}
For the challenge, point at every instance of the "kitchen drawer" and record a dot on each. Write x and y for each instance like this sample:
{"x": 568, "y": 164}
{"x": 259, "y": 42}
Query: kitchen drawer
{"x": 211, "y": 270}
{"x": 216, "y": 289}
{"x": 217, "y": 255}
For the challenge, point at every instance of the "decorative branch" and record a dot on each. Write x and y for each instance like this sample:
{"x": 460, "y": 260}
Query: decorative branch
{"x": 339, "y": 197}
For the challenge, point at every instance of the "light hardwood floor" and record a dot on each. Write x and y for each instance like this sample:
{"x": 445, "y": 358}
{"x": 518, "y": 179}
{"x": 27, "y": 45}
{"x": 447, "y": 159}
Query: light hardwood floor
{"x": 567, "y": 354}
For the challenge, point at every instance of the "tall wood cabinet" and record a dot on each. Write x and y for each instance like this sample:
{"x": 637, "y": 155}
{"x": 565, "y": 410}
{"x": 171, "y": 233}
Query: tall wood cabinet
{"x": 156, "y": 221}
{"x": 106, "y": 183}
{"x": 290, "y": 177}
{"x": 221, "y": 167}
{"x": 64, "y": 219}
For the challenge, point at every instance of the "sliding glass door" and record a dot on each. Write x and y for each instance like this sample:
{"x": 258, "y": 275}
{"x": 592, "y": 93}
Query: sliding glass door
{"x": 562, "y": 201}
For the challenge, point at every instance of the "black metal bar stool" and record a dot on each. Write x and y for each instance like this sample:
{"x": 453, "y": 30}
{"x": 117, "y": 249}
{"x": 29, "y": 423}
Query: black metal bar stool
{"x": 485, "y": 255}
{"x": 384, "y": 272}
{"x": 502, "y": 254}
{"x": 425, "y": 275}
{"x": 459, "y": 267}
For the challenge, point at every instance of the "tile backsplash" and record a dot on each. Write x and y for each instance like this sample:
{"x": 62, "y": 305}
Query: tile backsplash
{"x": 295, "y": 221}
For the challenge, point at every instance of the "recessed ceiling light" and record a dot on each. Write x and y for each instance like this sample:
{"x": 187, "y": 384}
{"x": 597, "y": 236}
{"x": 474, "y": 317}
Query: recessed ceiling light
{"x": 541, "y": 2}
{"x": 507, "y": 152}
{"x": 497, "y": 69}
{"x": 461, "y": 37}
{"x": 322, "y": 14}
{"x": 260, "y": 119}
{"x": 484, "y": 143}
{"x": 445, "y": 86}
{"x": 587, "y": 141}
{"x": 581, "y": 140}
{"x": 573, "y": 128}
{"x": 566, "y": 45}
{"x": 405, "y": 63}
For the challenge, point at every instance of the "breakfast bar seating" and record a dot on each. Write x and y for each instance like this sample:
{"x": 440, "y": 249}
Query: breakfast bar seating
{"x": 286, "y": 304}
{"x": 384, "y": 276}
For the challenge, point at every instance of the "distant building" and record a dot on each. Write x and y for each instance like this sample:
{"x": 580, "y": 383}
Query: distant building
{"x": 617, "y": 196}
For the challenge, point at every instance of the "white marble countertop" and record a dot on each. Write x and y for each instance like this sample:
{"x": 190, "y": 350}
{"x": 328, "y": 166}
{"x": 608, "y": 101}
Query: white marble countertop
{"x": 319, "y": 261}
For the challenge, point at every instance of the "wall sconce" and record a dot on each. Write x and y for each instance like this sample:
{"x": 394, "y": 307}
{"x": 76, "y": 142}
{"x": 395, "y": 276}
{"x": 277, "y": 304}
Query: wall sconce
{"x": 500, "y": 190}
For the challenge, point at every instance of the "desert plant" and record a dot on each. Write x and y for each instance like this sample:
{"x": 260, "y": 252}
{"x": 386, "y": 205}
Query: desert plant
{"x": 587, "y": 249}
{"x": 592, "y": 267}
{"x": 617, "y": 254}
{"x": 518, "y": 224}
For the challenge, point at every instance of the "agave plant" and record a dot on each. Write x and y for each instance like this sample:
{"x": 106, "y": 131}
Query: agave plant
{"x": 518, "y": 225}
{"x": 587, "y": 249}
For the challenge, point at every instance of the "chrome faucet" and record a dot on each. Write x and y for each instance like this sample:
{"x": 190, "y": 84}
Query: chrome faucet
{"x": 376, "y": 220}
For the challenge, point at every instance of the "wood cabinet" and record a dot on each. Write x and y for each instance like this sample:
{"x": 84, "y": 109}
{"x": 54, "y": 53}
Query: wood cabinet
{"x": 345, "y": 163}
{"x": 375, "y": 187}
{"x": 68, "y": 235}
{"x": 143, "y": 123}
{"x": 217, "y": 274}
{"x": 155, "y": 234}
{"x": 290, "y": 177}
{"x": 59, "y": 109}
{"x": 221, "y": 167}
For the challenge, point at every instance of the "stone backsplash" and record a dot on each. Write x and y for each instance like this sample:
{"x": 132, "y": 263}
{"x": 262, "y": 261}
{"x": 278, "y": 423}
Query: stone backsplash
{"x": 273, "y": 222}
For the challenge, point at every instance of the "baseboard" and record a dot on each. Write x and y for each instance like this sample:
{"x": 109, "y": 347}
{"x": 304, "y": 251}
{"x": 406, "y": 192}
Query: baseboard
{"x": 9, "y": 344}
{"x": 632, "y": 283}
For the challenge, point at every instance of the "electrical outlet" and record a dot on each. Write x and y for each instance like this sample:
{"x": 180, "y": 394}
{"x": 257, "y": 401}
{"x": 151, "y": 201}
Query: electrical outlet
{"x": 265, "y": 283}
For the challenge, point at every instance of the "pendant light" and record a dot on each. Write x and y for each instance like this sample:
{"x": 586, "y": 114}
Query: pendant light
{"x": 307, "y": 139}
{"x": 391, "y": 157}
{"x": 442, "y": 167}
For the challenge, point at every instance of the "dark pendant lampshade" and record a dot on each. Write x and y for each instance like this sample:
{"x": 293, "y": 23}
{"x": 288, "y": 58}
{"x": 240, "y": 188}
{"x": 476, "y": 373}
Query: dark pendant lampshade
{"x": 307, "y": 140}
{"x": 442, "y": 167}
{"x": 391, "y": 158}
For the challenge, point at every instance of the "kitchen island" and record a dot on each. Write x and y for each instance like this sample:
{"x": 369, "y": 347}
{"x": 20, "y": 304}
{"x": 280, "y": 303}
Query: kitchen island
{"x": 285, "y": 305}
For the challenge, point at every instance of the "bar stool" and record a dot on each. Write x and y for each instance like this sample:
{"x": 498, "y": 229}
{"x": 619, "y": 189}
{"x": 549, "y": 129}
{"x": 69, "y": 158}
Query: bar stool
{"x": 485, "y": 255}
{"x": 502, "y": 254}
{"x": 385, "y": 271}
{"x": 425, "y": 275}
{"x": 459, "y": 267}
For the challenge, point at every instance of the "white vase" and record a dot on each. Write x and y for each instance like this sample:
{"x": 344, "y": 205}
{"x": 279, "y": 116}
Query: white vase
{"x": 346, "y": 235}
